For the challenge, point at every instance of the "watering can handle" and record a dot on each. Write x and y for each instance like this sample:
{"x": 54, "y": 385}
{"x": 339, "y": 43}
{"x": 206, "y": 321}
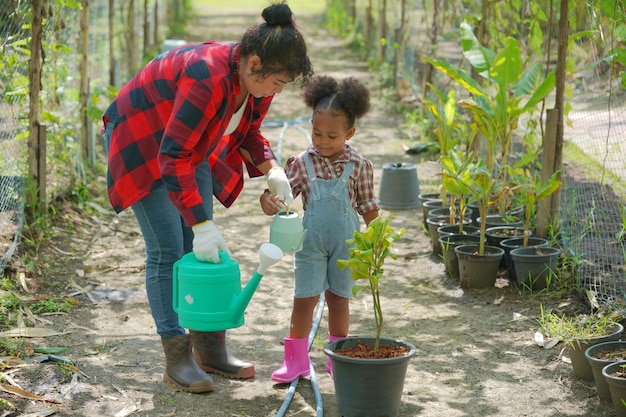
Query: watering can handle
{"x": 223, "y": 256}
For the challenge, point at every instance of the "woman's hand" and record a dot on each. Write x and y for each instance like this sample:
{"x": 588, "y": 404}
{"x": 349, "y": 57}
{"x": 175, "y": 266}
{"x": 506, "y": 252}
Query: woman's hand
{"x": 278, "y": 183}
{"x": 207, "y": 240}
{"x": 268, "y": 203}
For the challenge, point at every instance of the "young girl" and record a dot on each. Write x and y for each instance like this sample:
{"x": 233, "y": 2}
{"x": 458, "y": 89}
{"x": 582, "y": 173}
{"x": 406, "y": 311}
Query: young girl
{"x": 336, "y": 183}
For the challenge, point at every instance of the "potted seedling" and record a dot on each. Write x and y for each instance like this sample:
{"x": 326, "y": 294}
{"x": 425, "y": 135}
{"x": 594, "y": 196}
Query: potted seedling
{"x": 531, "y": 189}
{"x": 354, "y": 358}
{"x": 578, "y": 333}
{"x": 478, "y": 263}
{"x": 456, "y": 175}
{"x": 456, "y": 169}
{"x": 535, "y": 264}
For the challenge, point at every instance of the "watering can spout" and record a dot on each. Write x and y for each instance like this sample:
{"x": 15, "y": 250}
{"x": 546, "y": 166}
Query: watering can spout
{"x": 269, "y": 254}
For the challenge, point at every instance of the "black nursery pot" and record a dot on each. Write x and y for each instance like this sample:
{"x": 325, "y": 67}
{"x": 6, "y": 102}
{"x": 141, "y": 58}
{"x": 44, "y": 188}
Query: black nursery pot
{"x": 478, "y": 271}
{"x": 534, "y": 265}
{"x": 368, "y": 387}
{"x": 617, "y": 386}
{"x": 518, "y": 242}
{"x": 448, "y": 243}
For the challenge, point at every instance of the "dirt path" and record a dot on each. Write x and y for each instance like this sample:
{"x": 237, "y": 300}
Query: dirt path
{"x": 476, "y": 355}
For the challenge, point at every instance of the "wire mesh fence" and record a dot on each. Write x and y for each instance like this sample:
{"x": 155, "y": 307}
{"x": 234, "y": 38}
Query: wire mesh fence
{"x": 86, "y": 50}
{"x": 593, "y": 216}
{"x": 13, "y": 121}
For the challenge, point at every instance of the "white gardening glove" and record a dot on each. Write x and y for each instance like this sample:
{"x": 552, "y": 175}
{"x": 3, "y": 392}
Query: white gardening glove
{"x": 279, "y": 185}
{"x": 206, "y": 242}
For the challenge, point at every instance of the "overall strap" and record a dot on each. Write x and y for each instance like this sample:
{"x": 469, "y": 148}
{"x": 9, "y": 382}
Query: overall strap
{"x": 310, "y": 172}
{"x": 343, "y": 180}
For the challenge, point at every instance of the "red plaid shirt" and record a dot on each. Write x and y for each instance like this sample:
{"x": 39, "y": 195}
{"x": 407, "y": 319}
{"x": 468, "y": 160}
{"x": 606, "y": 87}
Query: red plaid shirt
{"x": 360, "y": 183}
{"x": 171, "y": 117}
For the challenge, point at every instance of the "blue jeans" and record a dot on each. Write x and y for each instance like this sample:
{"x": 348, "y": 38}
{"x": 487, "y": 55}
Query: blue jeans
{"x": 167, "y": 239}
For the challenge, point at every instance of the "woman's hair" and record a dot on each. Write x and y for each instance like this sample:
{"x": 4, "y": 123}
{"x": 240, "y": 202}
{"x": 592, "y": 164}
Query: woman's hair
{"x": 278, "y": 43}
{"x": 350, "y": 97}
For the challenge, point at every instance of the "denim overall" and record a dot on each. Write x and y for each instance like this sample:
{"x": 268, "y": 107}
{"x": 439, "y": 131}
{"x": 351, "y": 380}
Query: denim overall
{"x": 329, "y": 219}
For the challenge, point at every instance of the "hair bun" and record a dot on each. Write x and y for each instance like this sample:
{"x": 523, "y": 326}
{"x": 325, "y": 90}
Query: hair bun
{"x": 278, "y": 14}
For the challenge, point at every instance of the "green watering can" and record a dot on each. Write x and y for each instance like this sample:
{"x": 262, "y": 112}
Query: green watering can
{"x": 208, "y": 296}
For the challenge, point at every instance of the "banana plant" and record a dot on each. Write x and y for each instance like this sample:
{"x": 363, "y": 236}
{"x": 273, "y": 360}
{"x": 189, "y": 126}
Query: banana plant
{"x": 485, "y": 190}
{"x": 446, "y": 132}
{"x": 507, "y": 93}
{"x": 456, "y": 171}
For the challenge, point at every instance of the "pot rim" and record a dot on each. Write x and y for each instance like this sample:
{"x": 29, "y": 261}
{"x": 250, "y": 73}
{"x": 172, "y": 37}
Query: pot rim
{"x": 328, "y": 349}
{"x": 610, "y": 367}
{"x": 509, "y": 241}
{"x": 493, "y": 250}
{"x": 521, "y": 251}
{"x": 604, "y": 345}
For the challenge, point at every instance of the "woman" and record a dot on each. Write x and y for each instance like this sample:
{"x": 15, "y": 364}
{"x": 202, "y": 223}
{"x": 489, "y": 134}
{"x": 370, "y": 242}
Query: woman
{"x": 178, "y": 134}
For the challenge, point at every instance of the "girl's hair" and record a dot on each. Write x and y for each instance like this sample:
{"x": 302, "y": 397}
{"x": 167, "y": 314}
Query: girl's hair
{"x": 278, "y": 43}
{"x": 350, "y": 97}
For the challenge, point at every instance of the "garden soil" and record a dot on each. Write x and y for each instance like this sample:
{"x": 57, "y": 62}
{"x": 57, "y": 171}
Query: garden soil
{"x": 476, "y": 353}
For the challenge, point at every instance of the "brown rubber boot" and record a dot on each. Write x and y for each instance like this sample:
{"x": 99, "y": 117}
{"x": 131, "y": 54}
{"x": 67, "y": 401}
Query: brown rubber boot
{"x": 181, "y": 370}
{"x": 209, "y": 350}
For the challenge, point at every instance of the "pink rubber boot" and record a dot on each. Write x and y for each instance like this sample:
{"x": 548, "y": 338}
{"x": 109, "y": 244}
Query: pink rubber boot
{"x": 296, "y": 363}
{"x": 329, "y": 363}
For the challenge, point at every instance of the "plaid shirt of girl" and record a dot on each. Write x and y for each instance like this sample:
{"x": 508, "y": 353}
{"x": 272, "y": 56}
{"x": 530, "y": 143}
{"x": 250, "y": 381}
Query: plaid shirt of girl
{"x": 361, "y": 182}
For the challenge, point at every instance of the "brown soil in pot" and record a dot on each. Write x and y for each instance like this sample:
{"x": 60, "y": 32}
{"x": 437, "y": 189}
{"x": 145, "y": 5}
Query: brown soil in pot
{"x": 364, "y": 351}
{"x": 611, "y": 355}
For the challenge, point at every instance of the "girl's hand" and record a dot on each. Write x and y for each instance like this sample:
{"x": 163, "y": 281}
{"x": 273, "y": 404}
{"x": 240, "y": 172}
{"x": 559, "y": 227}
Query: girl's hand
{"x": 268, "y": 203}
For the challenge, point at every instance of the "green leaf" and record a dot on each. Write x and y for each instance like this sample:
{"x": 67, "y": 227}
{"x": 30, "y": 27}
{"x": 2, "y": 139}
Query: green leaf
{"x": 527, "y": 81}
{"x": 477, "y": 55}
{"x": 507, "y": 66}
{"x": 541, "y": 92}
{"x": 457, "y": 75}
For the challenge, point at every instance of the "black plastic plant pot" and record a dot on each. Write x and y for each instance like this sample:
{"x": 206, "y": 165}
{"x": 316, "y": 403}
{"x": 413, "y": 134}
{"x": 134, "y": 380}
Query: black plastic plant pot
{"x": 534, "y": 266}
{"x": 368, "y": 387}
{"x": 478, "y": 270}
